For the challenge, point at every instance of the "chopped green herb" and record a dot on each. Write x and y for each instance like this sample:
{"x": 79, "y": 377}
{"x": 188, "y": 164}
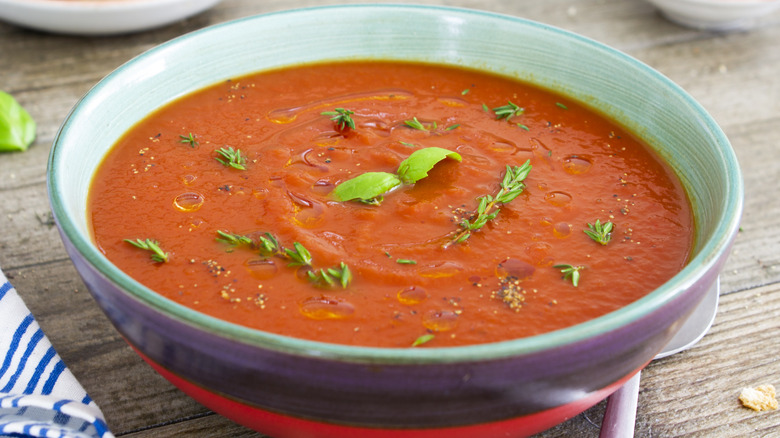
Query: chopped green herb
{"x": 507, "y": 111}
{"x": 455, "y": 126}
{"x": 231, "y": 158}
{"x": 601, "y": 233}
{"x": 190, "y": 139}
{"x": 269, "y": 245}
{"x": 331, "y": 277}
{"x": 570, "y": 272}
{"x": 465, "y": 92}
{"x": 415, "y": 124}
{"x": 423, "y": 339}
{"x": 405, "y": 262}
{"x": 560, "y": 105}
{"x": 342, "y": 117}
{"x": 233, "y": 239}
{"x": 521, "y": 126}
{"x": 299, "y": 256}
{"x": 158, "y": 255}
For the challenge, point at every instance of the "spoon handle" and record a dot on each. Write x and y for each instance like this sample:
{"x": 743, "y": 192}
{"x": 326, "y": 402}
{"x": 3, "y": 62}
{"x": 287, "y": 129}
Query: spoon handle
{"x": 620, "y": 416}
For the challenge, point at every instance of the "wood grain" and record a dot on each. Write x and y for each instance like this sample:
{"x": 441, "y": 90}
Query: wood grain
{"x": 735, "y": 76}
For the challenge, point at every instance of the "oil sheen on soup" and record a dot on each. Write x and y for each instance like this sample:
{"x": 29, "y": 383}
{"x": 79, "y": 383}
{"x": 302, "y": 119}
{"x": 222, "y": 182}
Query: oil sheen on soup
{"x": 389, "y": 204}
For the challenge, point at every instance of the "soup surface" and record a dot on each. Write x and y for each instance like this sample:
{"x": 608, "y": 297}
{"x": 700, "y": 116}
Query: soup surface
{"x": 236, "y": 201}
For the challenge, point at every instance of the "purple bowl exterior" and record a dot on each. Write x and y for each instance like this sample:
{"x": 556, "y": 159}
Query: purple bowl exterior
{"x": 387, "y": 395}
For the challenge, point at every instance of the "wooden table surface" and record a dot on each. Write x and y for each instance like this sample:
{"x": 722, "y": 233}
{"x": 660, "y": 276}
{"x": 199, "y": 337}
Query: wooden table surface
{"x": 735, "y": 76}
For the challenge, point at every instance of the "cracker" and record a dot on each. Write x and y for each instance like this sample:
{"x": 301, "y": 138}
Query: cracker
{"x": 760, "y": 398}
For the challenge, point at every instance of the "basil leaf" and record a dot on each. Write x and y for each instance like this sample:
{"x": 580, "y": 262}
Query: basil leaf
{"x": 17, "y": 128}
{"x": 365, "y": 186}
{"x": 417, "y": 165}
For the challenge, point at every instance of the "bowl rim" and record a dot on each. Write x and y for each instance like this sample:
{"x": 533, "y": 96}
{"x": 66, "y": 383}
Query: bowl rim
{"x": 705, "y": 260}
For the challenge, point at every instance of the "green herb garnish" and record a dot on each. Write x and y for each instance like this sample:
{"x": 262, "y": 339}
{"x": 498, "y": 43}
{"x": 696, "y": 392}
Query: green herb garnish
{"x": 370, "y": 186}
{"x": 507, "y": 111}
{"x": 601, "y": 233}
{"x": 570, "y": 272}
{"x": 17, "y": 127}
{"x": 158, "y": 255}
{"x": 233, "y": 239}
{"x": 231, "y": 158}
{"x": 405, "y": 262}
{"x": 299, "y": 256}
{"x": 416, "y": 124}
{"x": 423, "y": 339}
{"x": 342, "y": 117}
{"x": 330, "y": 277}
{"x": 190, "y": 139}
{"x": 511, "y": 187}
{"x": 367, "y": 187}
{"x": 269, "y": 245}
{"x": 420, "y": 162}
{"x": 560, "y": 105}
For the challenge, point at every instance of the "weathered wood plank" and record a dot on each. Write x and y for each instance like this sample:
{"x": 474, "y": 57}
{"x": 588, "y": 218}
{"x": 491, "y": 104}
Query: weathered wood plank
{"x": 204, "y": 425}
{"x": 695, "y": 393}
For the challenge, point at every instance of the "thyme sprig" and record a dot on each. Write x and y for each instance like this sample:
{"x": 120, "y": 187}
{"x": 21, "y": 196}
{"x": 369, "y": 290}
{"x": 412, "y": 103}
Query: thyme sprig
{"x": 601, "y": 233}
{"x": 299, "y": 255}
{"x": 158, "y": 255}
{"x": 233, "y": 239}
{"x": 340, "y": 275}
{"x": 189, "y": 139}
{"x": 342, "y": 117}
{"x": 418, "y": 125}
{"x": 508, "y": 111}
{"x": 570, "y": 272}
{"x": 269, "y": 245}
{"x": 231, "y": 158}
{"x": 489, "y": 205}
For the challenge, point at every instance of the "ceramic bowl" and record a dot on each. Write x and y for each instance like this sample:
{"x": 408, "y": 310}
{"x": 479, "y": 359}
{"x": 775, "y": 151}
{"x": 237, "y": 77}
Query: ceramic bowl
{"x": 289, "y": 387}
{"x": 98, "y": 17}
{"x": 718, "y": 15}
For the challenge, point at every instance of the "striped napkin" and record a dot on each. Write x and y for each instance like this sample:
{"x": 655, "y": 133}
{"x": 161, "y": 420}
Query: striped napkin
{"x": 39, "y": 396}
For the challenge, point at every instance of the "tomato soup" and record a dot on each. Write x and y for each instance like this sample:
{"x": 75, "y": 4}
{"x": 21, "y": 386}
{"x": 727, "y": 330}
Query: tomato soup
{"x": 389, "y": 204}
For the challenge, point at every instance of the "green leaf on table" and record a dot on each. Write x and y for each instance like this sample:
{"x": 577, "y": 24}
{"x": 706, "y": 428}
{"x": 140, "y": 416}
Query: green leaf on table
{"x": 366, "y": 186}
{"x": 17, "y": 128}
{"x": 421, "y": 161}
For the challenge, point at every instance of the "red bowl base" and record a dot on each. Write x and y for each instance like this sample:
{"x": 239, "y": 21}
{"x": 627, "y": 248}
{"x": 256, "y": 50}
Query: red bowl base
{"x": 285, "y": 426}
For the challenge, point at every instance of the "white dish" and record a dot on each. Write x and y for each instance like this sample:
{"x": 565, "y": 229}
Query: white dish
{"x": 98, "y": 17}
{"x": 719, "y": 15}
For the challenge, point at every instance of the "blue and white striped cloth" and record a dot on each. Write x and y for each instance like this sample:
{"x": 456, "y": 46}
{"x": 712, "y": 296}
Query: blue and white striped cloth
{"x": 39, "y": 396}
